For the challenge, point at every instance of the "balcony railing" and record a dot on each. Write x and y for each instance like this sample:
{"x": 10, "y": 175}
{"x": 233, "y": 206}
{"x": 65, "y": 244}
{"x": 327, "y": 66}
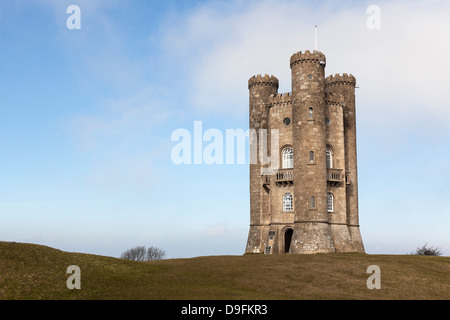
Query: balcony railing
{"x": 335, "y": 175}
{"x": 285, "y": 175}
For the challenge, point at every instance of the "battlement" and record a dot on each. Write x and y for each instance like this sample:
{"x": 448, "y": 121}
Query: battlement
{"x": 308, "y": 57}
{"x": 280, "y": 98}
{"x": 265, "y": 80}
{"x": 332, "y": 98}
{"x": 338, "y": 79}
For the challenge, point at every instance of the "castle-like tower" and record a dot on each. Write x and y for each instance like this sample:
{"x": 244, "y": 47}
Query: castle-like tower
{"x": 310, "y": 204}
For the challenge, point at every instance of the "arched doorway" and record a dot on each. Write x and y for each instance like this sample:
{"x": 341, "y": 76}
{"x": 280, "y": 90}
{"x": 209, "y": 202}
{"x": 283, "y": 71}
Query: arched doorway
{"x": 287, "y": 240}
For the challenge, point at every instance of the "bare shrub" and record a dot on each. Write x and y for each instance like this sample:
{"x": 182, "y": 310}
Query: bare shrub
{"x": 140, "y": 253}
{"x": 425, "y": 250}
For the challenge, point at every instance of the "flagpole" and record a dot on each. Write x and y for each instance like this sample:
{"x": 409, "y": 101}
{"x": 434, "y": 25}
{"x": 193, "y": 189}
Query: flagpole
{"x": 315, "y": 39}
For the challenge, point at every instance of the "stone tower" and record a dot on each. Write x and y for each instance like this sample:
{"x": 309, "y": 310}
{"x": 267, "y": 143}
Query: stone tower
{"x": 310, "y": 204}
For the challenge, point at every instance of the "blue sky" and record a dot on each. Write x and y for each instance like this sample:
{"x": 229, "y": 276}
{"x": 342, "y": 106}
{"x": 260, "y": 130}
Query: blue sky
{"x": 86, "y": 118}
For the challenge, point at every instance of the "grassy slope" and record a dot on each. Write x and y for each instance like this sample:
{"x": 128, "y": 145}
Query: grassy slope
{"x": 29, "y": 271}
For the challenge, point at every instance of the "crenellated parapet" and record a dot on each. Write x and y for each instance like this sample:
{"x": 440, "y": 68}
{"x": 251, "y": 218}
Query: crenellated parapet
{"x": 265, "y": 80}
{"x": 280, "y": 99}
{"x": 332, "y": 98}
{"x": 337, "y": 79}
{"x": 308, "y": 57}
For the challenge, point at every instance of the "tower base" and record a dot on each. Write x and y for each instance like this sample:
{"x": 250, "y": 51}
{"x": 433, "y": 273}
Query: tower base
{"x": 356, "y": 238}
{"x": 342, "y": 239}
{"x": 312, "y": 237}
{"x": 256, "y": 242}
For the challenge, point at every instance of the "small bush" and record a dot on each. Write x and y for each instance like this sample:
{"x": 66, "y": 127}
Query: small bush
{"x": 140, "y": 253}
{"x": 425, "y": 250}
{"x": 154, "y": 253}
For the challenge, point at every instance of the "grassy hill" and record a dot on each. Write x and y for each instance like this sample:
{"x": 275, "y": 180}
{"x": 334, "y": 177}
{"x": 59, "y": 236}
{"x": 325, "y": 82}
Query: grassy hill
{"x": 29, "y": 271}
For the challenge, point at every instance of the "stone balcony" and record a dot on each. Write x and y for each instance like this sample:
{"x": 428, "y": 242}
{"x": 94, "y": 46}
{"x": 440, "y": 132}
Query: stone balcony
{"x": 284, "y": 176}
{"x": 335, "y": 176}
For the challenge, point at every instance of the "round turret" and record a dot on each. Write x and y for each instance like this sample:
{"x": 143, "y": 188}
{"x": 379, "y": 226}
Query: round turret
{"x": 265, "y": 80}
{"x": 260, "y": 89}
{"x": 338, "y": 79}
{"x": 341, "y": 89}
{"x": 309, "y": 144}
{"x": 308, "y": 57}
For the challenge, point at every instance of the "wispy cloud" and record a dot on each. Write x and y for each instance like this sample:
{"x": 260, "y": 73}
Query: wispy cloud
{"x": 400, "y": 68}
{"x": 125, "y": 136}
{"x": 136, "y": 115}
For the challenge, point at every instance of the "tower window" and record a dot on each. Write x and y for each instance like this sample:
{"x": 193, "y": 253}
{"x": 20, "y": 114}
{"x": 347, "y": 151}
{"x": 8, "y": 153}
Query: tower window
{"x": 311, "y": 156}
{"x": 288, "y": 203}
{"x": 288, "y": 158}
{"x": 271, "y": 234}
{"x": 329, "y": 156}
{"x": 287, "y": 121}
{"x": 313, "y": 202}
{"x": 310, "y": 114}
{"x": 330, "y": 202}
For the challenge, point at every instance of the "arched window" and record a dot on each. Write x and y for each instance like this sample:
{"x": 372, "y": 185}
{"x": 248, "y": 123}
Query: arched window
{"x": 288, "y": 158}
{"x": 330, "y": 202}
{"x": 313, "y": 202}
{"x": 310, "y": 114}
{"x": 311, "y": 156}
{"x": 329, "y": 158}
{"x": 288, "y": 202}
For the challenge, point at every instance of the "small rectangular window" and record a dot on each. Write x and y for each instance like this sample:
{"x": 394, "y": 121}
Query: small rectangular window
{"x": 313, "y": 202}
{"x": 268, "y": 249}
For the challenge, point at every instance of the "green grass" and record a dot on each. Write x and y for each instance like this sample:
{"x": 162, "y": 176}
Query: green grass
{"x": 29, "y": 271}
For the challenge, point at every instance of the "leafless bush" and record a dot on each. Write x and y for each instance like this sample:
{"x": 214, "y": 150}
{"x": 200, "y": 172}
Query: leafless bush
{"x": 427, "y": 251}
{"x": 154, "y": 253}
{"x": 140, "y": 253}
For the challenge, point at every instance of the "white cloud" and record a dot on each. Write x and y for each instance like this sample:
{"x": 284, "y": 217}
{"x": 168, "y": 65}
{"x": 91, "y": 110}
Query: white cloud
{"x": 400, "y": 68}
{"x": 134, "y": 115}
